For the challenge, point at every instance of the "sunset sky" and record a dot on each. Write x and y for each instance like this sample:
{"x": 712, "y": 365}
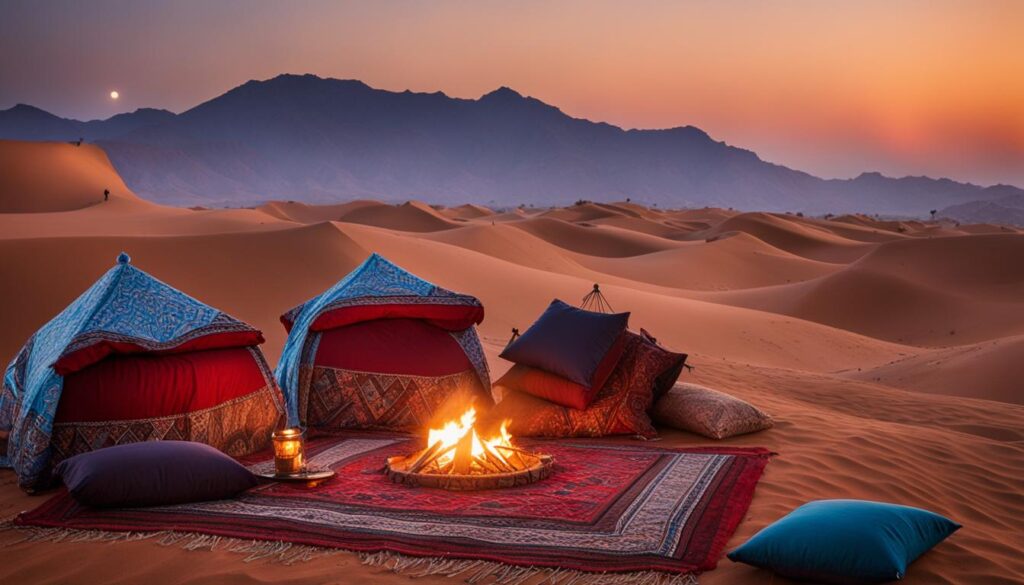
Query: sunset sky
{"x": 832, "y": 88}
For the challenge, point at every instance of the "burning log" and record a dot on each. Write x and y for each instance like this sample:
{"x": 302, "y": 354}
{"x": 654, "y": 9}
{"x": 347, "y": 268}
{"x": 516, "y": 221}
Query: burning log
{"x": 464, "y": 455}
{"x": 501, "y": 462}
{"x": 430, "y": 455}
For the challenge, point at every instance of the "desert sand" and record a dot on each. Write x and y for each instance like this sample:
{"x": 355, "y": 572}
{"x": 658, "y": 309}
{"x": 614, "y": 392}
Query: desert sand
{"x": 890, "y": 353}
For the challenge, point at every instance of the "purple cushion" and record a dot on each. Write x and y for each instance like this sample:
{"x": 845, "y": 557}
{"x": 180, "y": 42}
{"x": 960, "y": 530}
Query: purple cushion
{"x": 153, "y": 473}
{"x": 568, "y": 341}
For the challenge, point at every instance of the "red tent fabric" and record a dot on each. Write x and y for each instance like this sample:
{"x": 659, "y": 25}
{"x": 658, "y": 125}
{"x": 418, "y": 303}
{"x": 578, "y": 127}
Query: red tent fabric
{"x": 397, "y": 346}
{"x": 125, "y": 387}
{"x": 226, "y": 398}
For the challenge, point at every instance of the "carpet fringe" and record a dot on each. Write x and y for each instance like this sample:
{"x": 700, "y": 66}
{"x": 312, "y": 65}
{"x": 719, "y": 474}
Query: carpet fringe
{"x": 476, "y": 572}
{"x": 275, "y": 551}
{"x": 472, "y": 572}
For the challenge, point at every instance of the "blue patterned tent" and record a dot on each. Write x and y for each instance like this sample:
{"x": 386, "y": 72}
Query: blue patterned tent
{"x": 125, "y": 305}
{"x": 375, "y": 282}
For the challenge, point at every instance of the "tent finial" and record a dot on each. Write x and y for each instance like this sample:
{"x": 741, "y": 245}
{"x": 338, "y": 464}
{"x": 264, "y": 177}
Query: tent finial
{"x": 123, "y": 258}
{"x": 595, "y": 301}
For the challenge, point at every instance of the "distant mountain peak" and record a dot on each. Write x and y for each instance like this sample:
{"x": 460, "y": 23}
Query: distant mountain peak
{"x": 502, "y": 93}
{"x": 871, "y": 175}
{"x": 26, "y": 109}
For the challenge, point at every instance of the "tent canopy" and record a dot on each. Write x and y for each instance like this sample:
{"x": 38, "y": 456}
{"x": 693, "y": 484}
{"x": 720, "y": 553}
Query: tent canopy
{"x": 378, "y": 289}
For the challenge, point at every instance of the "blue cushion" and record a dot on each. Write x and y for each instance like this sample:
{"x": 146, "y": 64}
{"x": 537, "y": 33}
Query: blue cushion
{"x": 845, "y": 541}
{"x": 567, "y": 341}
{"x": 153, "y": 473}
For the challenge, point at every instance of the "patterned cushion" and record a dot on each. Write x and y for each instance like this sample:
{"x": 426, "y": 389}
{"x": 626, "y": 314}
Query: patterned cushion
{"x": 620, "y": 407}
{"x": 707, "y": 412}
{"x": 346, "y": 399}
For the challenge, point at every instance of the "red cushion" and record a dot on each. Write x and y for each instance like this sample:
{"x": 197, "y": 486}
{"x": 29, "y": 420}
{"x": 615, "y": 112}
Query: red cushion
{"x": 450, "y": 317}
{"x": 554, "y": 388}
{"x": 91, "y": 354}
{"x": 126, "y": 387}
{"x": 392, "y": 346}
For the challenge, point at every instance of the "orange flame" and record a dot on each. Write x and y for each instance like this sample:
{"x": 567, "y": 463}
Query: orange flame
{"x": 454, "y": 431}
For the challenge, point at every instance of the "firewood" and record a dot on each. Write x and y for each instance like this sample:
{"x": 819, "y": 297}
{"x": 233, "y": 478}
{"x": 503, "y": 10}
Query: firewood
{"x": 499, "y": 461}
{"x": 486, "y": 464}
{"x": 426, "y": 456}
{"x": 464, "y": 454}
{"x": 516, "y": 456}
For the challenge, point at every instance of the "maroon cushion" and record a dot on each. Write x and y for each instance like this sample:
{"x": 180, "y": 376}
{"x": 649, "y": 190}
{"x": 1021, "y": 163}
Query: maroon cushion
{"x": 128, "y": 387}
{"x": 153, "y": 473}
{"x": 392, "y": 346}
{"x": 568, "y": 342}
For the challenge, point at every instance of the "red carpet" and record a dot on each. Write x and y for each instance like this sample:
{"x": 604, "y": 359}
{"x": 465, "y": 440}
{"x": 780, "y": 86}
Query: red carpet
{"x": 606, "y": 508}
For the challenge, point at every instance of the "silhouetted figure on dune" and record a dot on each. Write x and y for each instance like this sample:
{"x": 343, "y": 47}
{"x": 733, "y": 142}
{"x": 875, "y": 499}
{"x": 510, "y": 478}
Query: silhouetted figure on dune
{"x": 106, "y": 194}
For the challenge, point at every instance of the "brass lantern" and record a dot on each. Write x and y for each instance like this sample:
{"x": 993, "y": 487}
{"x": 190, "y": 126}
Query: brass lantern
{"x": 289, "y": 451}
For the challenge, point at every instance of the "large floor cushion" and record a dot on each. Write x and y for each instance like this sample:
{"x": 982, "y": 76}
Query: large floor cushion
{"x": 396, "y": 374}
{"x": 845, "y": 542}
{"x": 153, "y": 473}
{"x": 224, "y": 398}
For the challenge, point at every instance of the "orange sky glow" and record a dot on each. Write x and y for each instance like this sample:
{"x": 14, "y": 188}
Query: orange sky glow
{"x": 904, "y": 88}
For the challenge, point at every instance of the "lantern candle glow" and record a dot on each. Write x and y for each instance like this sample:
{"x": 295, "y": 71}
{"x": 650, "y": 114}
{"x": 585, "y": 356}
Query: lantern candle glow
{"x": 289, "y": 457}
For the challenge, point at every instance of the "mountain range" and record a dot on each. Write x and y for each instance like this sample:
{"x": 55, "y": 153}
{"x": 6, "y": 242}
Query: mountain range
{"x": 302, "y": 137}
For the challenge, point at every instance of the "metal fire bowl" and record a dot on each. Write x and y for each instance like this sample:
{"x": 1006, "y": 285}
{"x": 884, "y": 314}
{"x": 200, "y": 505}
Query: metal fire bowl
{"x": 540, "y": 468}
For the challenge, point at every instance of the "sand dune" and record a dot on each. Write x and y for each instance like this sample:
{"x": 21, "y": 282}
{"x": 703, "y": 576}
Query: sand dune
{"x": 590, "y": 212}
{"x": 730, "y": 263}
{"x": 304, "y": 213}
{"x": 411, "y": 216}
{"x": 987, "y": 264}
{"x": 56, "y": 176}
{"x": 467, "y": 211}
{"x": 932, "y": 292}
{"x": 887, "y": 306}
{"x": 591, "y": 240}
{"x": 955, "y": 371}
{"x": 793, "y": 236}
{"x": 889, "y": 353}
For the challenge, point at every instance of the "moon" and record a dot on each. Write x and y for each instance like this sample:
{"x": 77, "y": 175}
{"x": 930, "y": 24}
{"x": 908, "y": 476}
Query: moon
{"x": 114, "y": 95}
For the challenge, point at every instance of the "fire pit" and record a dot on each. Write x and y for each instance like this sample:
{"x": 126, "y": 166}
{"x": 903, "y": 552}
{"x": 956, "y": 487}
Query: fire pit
{"x": 456, "y": 458}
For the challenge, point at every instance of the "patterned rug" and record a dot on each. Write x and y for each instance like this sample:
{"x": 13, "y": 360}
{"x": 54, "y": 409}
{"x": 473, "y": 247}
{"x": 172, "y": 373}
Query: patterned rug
{"x": 607, "y": 508}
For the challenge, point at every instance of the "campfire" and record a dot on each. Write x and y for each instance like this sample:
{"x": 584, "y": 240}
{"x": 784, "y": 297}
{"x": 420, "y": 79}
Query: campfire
{"x": 457, "y": 458}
